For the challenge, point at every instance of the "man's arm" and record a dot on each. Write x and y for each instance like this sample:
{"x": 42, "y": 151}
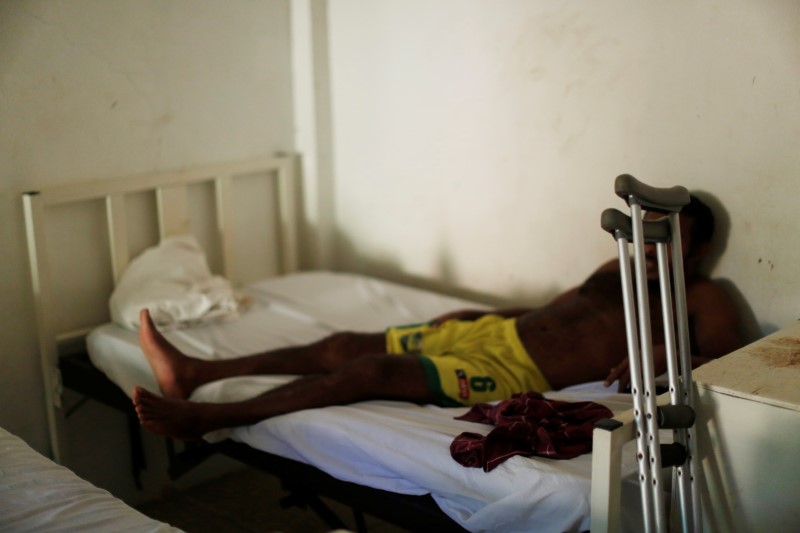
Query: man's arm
{"x": 715, "y": 330}
{"x": 475, "y": 314}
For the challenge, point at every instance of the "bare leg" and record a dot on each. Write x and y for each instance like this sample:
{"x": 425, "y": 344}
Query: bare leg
{"x": 178, "y": 375}
{"x": 369, "y": 377}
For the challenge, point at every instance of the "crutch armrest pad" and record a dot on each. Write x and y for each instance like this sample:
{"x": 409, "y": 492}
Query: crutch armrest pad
{"x": 619, "y": 225}
{"x": 664, "y": 199}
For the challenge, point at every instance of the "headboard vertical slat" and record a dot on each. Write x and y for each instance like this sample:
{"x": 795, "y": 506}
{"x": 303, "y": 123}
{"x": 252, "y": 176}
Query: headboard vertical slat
{"x": 42, "y": 295}
{"x": 173, "y": 210}
{"x": 117, "y": 220}
{"x": 225, "y": 224}
{"x": 288, "y": 217}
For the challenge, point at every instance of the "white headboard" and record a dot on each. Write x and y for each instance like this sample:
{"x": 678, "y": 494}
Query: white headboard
{"x": 72, "y": 267}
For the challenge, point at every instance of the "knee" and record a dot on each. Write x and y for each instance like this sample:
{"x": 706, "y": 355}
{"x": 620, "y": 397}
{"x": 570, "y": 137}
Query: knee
{"x": 337, "y": 349}
{"x": 392, "y": 377}
{"x": 372, "y": 372}
{"x": 340, "y": 341}
{"x": 377, "y": 368}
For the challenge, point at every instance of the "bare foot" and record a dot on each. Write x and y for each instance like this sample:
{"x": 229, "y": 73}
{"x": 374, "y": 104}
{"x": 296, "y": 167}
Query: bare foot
{"x": 173, "y": 370}
{"x": 171, "y": 417}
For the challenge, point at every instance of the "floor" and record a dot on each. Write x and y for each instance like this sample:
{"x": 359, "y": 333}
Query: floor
{"x": 245, "y": 502}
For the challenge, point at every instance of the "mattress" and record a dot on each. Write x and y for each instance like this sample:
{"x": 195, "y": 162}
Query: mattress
{"x": 394, "y": 446}
{"x": 38, "y": 495}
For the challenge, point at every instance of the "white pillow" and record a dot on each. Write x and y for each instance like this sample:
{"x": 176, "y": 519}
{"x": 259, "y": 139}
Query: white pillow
{"x": 174, "y": 282}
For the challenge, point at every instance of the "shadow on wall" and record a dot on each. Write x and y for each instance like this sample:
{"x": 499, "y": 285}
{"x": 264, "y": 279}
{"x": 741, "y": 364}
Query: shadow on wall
{"x": 388, "y": 267}
{"x": 722, "y": 229}
{"x": 749, "y": 327}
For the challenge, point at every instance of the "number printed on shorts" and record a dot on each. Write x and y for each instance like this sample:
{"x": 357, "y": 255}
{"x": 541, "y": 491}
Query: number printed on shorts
{"x": 482, "y": 384}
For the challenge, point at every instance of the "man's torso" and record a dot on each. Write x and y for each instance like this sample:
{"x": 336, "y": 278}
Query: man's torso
{"x": 580, "y": 337}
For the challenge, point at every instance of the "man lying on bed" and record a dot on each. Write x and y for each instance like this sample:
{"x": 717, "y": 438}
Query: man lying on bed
{"x": 461, "y": 358}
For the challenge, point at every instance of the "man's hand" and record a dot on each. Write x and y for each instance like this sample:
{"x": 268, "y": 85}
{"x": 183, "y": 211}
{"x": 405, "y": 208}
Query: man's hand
{"x": 621, "y": 372}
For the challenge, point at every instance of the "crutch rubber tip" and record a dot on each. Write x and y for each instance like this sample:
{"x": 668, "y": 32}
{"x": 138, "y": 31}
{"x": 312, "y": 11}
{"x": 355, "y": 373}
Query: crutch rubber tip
{"x": 609, "y": 424}
{"x": 674, "y": 454}
{"x": 675, "y": 416}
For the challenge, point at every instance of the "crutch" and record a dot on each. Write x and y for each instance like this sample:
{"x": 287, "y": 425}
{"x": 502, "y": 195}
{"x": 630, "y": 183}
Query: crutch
{"x": 679, "y": 415}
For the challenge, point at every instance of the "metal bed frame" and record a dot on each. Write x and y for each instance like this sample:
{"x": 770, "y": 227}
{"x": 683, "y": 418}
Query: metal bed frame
{"x": 305, "y": 484}
{"x": 65, "y": 363}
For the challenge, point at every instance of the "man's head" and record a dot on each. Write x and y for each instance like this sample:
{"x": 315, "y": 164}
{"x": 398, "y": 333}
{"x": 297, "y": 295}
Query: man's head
{"x": 697, "y": 229}
{"x": 696, "y": 238}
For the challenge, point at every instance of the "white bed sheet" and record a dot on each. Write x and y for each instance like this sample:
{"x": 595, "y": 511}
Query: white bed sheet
{"x": 394, "y": 446}
{"x": 38, "y": 495}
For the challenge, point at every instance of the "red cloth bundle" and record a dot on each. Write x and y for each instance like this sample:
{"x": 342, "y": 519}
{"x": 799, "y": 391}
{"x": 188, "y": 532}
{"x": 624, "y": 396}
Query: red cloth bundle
{"x": 527, "y": 424}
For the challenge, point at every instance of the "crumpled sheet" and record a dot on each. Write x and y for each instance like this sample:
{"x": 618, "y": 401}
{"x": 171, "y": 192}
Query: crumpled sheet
{"x": 38, "y": 495}
{"x": 173, "y": 280}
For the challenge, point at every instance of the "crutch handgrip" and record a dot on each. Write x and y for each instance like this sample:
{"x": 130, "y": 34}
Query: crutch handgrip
{"x": 619, "y": 225}
{"x": 675, "y": 416}
{"x": 673, "y": 455}
{"x": 667, "y": 199}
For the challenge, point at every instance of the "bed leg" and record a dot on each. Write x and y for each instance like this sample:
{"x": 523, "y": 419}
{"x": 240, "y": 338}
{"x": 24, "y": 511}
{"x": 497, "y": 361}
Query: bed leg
{"x": 361, "y": 524}
{"x": 302, "y": 498}
{"x": 193, "y": 453}
{"x": 138, "y": 462}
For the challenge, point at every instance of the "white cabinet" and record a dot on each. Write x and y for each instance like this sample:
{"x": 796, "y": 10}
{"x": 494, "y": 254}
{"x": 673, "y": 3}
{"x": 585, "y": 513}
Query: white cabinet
{"x": 748, "y": 436}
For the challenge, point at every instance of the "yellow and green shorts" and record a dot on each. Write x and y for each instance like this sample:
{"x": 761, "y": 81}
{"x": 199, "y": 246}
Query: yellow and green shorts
{"x": 469, "y": 362}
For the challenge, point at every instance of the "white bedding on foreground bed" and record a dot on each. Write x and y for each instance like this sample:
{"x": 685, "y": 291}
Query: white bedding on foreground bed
{"x": 394, "y": 446}
{"x": 38, "y": 495}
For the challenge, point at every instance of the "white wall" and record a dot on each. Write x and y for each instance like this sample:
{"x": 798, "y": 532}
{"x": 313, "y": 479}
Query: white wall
{"x": 475, "y": 142}
{"x": 468, "y": 145}
{"x": 96, "y": 89}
